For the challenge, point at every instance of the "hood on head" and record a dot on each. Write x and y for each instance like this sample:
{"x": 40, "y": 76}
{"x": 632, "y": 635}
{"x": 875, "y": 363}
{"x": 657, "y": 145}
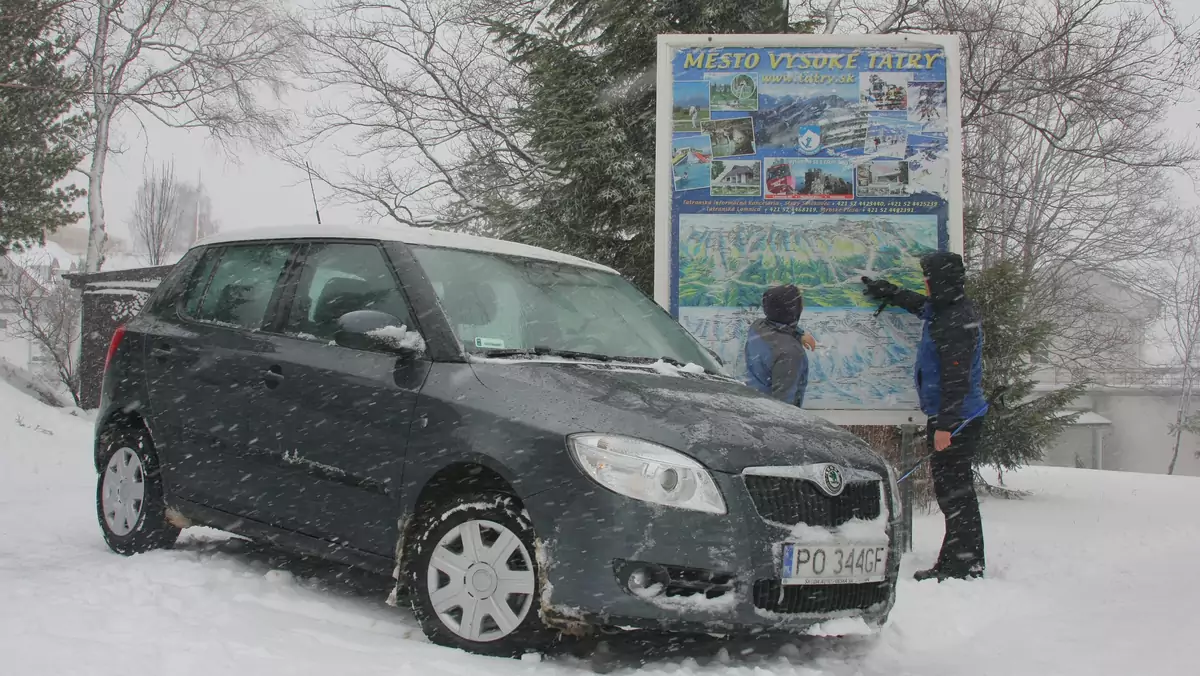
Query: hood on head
{"x": 947, "y": 277}
{"x": 783, "y": 304}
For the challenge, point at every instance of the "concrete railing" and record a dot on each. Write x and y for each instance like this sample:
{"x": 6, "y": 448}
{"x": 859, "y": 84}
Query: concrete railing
{"x": 1147, "y": 378}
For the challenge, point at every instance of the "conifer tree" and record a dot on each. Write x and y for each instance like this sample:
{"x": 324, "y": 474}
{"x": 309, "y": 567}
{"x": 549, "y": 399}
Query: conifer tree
{"x": 1019, "y": 429}
{"x": 591, "y": 75}
{"x": 39, "y": 132}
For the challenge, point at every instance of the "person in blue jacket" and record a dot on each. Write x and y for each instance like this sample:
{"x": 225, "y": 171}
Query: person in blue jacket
{"x": 949, "y": 380}
{"x": 775, "y": 360}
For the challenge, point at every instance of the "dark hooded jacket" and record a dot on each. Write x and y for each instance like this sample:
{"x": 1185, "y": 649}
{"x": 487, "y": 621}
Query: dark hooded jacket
{"x": 949, "y": 369}
{"x": 776, "y": 363}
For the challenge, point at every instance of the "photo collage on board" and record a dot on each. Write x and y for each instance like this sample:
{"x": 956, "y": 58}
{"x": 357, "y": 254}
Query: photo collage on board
{"x": 882, "y": 136}
{"x": 717, "y": 153}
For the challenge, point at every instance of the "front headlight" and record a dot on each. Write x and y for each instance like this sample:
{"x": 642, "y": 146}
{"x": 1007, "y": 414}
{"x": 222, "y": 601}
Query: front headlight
{"x": 646, "y": 471}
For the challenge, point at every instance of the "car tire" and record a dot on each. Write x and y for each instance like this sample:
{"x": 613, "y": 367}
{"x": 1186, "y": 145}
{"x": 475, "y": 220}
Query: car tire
{"x": 468, "y": 596}
{"x": 129, "y": 494}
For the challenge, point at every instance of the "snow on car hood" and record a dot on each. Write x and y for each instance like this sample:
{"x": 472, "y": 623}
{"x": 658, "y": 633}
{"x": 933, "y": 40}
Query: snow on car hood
{"x": 722, "y": 423}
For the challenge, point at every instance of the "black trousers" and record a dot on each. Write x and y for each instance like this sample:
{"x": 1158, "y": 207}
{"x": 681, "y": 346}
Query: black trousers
{"x": 954, "y": 483}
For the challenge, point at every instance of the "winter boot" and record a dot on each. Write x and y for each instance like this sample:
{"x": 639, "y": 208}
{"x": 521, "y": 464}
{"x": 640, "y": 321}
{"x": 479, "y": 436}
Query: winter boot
{"x": 972, "y": 573}
{"x": 934, "y": 573}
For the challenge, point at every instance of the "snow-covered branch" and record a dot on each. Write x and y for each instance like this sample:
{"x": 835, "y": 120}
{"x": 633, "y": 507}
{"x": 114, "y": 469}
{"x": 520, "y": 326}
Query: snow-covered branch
{"x": 186, "y": 63}
{"x": 831, "y": 16}
{"x": 420, "y": 86}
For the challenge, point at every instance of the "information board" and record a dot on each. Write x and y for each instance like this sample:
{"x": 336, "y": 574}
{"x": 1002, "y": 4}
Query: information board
{"x": 811, "y": 160}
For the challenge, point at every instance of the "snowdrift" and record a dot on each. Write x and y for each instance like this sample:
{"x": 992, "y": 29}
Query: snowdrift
{"x": 1092, "y": 574}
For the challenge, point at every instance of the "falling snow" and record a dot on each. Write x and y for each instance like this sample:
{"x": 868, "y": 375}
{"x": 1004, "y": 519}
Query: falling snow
{"x": 1093, "y": 574}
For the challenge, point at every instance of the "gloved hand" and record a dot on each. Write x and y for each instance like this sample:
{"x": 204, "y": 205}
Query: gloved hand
{"x": 879, "y": 289}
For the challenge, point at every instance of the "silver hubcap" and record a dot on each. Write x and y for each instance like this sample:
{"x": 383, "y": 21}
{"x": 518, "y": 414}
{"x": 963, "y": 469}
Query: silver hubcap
{"x": 480, "y": 581}
{"x": 123, "y": 492}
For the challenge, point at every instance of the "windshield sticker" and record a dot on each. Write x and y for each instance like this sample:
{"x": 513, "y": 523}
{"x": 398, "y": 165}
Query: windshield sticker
{"x": 489, "y": 343}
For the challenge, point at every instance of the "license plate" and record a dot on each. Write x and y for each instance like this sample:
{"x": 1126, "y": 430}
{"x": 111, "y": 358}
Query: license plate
{"x": 834, "y": 564}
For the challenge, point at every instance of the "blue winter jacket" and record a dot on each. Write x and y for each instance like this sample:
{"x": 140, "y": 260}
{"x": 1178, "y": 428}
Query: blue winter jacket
{"x": 776, "y": 363}
{"x": 950, "y": 363}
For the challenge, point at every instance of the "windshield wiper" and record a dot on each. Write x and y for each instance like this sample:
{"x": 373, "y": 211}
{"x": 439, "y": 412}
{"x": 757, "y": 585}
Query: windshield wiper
{"x": 664, "y": 359}
{"x": 650, "y": 360}
{"x": 541, "y": 351}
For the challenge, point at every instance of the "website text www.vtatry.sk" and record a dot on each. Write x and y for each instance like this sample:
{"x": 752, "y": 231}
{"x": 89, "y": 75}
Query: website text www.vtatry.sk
{"x": 811, "y": 78}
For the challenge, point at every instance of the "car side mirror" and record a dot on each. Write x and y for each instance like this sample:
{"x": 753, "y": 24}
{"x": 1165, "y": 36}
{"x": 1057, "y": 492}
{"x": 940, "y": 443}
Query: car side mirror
{"x": 374, "y": 330}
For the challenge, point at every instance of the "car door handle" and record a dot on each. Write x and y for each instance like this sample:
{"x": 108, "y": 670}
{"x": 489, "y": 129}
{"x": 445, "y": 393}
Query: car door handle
{"x": 273, "y": 377}
{"x": 163, "y": 351}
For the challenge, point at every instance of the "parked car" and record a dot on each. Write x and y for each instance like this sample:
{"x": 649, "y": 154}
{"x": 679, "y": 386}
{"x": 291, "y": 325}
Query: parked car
{"x": 529, "y": 444}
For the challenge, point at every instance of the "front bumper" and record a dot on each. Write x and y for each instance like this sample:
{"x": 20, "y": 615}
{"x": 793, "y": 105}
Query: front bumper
{"x": 589, "y": 537}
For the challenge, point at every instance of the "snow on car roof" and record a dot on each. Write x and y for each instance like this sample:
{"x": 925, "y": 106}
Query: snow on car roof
{"x": 396, "y": 233}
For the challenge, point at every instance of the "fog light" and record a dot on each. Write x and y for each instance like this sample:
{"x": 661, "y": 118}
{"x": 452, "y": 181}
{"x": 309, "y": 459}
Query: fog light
{"x": 645, "y": 580}
{"x": 642, "y": 584}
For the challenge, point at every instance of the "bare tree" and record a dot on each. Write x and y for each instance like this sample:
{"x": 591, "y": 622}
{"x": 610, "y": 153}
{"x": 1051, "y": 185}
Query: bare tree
{"x": 1182, "y": 299}
{"x": 1067, "y": 162}
{"x": 419, "y": 87}
{"x": 157, "y": 213}
{"x": 47, "y": 313}
{"x": 186, "y": 63}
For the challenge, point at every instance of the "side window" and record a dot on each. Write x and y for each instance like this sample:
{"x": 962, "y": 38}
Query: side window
{"x": 341, "y": 278}
{"x": 197, "y": 282}
{"x": 240, "y": 288}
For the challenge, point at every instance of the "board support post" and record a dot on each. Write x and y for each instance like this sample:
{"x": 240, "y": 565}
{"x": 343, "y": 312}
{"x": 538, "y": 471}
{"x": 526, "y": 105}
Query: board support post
{"x": 908, "y": 435}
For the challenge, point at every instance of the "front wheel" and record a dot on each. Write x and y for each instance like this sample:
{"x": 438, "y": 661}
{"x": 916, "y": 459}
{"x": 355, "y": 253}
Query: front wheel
{"x": 474, "y": 575}
{"x": 129, "y": 495}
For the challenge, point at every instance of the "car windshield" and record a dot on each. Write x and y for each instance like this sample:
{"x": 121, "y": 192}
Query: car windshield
{"x": 508, "y": 305}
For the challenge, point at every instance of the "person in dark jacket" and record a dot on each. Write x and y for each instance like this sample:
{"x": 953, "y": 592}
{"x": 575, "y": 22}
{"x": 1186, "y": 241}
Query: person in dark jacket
{"x": 949, "y": 380}
{"x": 775, "y": 360}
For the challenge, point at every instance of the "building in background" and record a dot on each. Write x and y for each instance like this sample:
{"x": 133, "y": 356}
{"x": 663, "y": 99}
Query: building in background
{"x": 1132, "y": 396}
{"x": 35, "y": 269}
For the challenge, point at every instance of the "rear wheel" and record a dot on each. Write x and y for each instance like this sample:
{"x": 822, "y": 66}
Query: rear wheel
{"x": 474, "y": 577}
{"x": 129, "y": 495}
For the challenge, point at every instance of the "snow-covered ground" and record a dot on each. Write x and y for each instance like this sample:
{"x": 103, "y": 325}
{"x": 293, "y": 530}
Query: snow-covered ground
{"x": 1095, "y": 573}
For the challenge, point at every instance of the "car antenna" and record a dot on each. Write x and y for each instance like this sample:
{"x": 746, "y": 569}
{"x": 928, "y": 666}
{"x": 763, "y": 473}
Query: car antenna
{"x": 314, "y": 193}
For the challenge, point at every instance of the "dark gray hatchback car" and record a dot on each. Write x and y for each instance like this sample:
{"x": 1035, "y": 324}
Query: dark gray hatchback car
{"x": 525, "y": 441}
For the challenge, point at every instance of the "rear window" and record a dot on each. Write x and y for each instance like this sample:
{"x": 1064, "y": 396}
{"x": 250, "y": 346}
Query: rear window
{"x": 234, "y": 285}
{"x": 198, "y": 281}
{"x": 168, "y": 289}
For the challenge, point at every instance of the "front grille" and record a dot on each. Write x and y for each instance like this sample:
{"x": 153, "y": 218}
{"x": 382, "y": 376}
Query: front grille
{"x": 792, "y": 501}
{"x": 692, "y": 581}
{"x": 773, "y": 596}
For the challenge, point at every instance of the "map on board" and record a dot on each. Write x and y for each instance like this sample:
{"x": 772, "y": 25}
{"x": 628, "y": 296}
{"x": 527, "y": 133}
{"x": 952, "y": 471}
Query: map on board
{"x": 861, "y": 358}
{"x": 727, "y": 261}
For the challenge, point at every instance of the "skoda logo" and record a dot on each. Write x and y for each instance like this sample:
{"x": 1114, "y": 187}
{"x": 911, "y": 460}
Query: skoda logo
{"x": 833, "y": 480}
